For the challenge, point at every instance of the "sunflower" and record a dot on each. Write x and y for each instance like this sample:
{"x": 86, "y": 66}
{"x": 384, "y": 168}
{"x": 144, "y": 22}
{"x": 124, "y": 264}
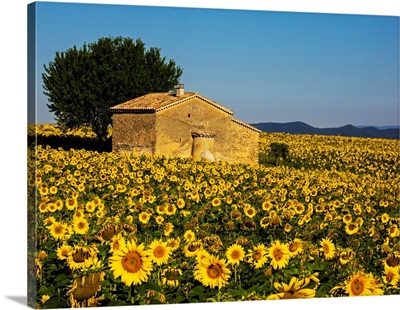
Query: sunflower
{"x": 201, "y": 254}
{"x": 81, "y": 225}
{"x": 49, "y": 220}
{"x": 117, "y": 242}
{"x": 63, "y": 251}
{"x": 392, "y": 261}
{"x": 44, "y": 298}
{"x": 235, "y": 254}
{"x": 299, "y": 208}
{"x": 212, "y": 272}
{"x": 75, "y": 195}
{"x": 264, "y": 222}
{"x": 250, "y": 211}
{"x": 185, "y": 212}
{"x": 170, "y": 276}
{"x": 160, "y": 209}
{"x": 93, "y": 263}
{"x": 287, "y": 228}
{"x": 347, "y": 218}
{"x": 351, "y": 228}
{"x": 43, "y": 207}
{"x": 295, "y": 247}
{"x": 257, "y": 256}
{"x": 346, "y": 256}
{"x": 391, "y": 276}
{"x": 59, "y": 204}
{"x": 134, "y": 192}
{"x": 371, "y": 231}
{"x": 159, "y": 219}
{"x": 151, "y": 199}
{"x": 170, "y": 210}
{"x": 328, "y": 248}
{"x": 376, "y": 285}
{"x": 132, "y": 263}
{"x": 385, "y": 218}
{"x": 71, "y": 203}
{"x": 169, "y": 227}
{"x": 180, "y": 203}
{"x": 144, "y": 217}
{"x": 43, "y": 190}
{"x": 85, "y": 289}
{"x": 173, "y": 243}
{"x": 235, "y": 214}
{"x": 42, "y": 255}
{"x": 323, "y": 225}
{"x": 216, "y": 202}
{"x": 69, "y": 231}
{"x": 78, "y": 256}
{"x": 81, "y": 187}
{"x": 189, "y": 236}
{"x": 57, "y": 230}
{"x": 120, "y": 188}
{"x": 192, "y": 248}
{"x": 107, "y": 232}
{"x": 79, "y": 213}
{"x": 279, "y": 253}
{"x": 52, "y": 207}
{"x": 359, "y": 221}
{"x": 90, "y": 206}
{"x": 97, "y": 201}
{"x": 275, "y": 220}
{"x": 360, "y": 284}
{"x": 393, "y": 231}
{"x": 295, "y": 289}
{"x": 313, "y": 192}
{"x": 160, "y": 252}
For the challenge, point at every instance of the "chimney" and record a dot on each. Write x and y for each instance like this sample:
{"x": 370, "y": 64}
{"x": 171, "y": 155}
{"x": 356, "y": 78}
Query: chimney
{"x": 180, "y": 89}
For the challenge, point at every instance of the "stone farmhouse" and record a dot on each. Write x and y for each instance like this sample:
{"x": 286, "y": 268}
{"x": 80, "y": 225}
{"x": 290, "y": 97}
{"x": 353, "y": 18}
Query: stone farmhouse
{"x": 183, "y": 124}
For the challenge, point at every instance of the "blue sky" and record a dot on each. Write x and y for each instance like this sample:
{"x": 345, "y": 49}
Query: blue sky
{"x": 324, "y": 69}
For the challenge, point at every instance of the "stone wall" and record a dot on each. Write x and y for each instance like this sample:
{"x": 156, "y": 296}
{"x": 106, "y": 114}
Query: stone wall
{"x": 134, "y": 132}
{"x": 175, "y": 125}
{"x": 244, "y": 144}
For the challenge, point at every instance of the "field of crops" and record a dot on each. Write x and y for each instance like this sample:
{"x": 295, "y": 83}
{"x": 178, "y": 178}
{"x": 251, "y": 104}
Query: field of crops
{"x": 120, "y": 229}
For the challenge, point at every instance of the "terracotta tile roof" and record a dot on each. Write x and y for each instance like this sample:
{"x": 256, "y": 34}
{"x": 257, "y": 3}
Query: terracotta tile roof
{"x": 245, "y": 125}
{"x": 156, "y": 102}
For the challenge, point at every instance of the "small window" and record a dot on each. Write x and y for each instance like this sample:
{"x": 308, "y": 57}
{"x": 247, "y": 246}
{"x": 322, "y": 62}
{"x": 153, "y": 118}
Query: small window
{"x": 189, "y": 115}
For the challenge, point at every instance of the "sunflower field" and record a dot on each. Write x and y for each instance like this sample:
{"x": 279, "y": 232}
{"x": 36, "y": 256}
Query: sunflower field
{"x": 109, "y": 229}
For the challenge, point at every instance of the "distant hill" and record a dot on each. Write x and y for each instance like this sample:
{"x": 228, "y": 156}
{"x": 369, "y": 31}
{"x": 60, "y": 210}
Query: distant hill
{"x": 347, "y": 131}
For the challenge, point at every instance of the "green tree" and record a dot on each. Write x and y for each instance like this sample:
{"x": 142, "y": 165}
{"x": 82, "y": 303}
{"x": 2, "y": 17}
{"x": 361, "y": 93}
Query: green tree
{"x": 82, "y": 84}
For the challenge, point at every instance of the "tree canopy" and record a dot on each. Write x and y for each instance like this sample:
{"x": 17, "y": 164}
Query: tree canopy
{"x": 82, "y": 84}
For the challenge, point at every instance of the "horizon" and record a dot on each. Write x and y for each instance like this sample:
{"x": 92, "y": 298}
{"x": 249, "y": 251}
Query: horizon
{"x": 380, "y": 127}
{"x": 326, "y": 69}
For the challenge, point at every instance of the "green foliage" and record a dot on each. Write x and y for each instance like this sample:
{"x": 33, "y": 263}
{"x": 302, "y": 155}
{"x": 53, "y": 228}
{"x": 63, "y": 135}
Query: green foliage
{"x": 278, "y": 154}
{"x": 82, "y": 84}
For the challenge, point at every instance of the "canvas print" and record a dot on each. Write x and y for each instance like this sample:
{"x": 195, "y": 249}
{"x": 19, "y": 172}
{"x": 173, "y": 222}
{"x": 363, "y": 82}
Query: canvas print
{"x": 187, "y": 155}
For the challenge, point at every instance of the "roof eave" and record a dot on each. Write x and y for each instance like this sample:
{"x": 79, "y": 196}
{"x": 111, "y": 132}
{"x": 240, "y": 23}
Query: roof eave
{"x": 120, "y": 109}
{"x": 239, "y": 122}
{"x": 131, "y": 110}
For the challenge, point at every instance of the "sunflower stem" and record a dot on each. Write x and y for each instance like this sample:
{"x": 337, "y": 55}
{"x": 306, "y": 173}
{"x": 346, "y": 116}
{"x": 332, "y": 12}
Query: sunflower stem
{"x": 235, "y": 274}
{"x": 131, "y": 294}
